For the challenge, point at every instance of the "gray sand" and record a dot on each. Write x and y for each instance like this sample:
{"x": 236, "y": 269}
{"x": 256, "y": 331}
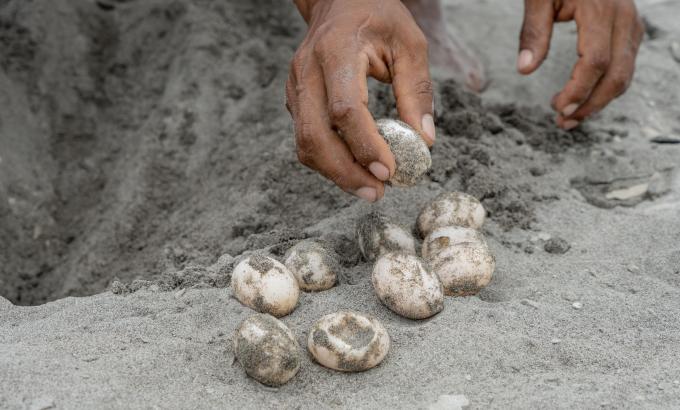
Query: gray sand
{"x": 139, "y": 144}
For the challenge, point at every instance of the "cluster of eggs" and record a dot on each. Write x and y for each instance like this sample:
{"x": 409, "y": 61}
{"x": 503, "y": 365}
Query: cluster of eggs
{"x": 455, "y": 261}
{"x": 266, "y": 347}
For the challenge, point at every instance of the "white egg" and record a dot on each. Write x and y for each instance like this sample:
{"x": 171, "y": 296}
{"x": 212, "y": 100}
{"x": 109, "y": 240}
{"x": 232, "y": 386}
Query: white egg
{"x": 451, "y": 209}
{"x": 264, "y": 284}
{"x": 267, "y": 350}
{"x": 411, "y": 154}
{"x": 314, "y": 266}
{"x": 463, "y": 268}
{"x": 445, "y": 237}
{"x": 405, "y": 285}
{"x": 376, "y": 235}
{"x": 348, "y": 341}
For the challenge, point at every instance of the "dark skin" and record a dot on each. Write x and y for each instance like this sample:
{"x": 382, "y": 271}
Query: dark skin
{"x": 349, "y": 40}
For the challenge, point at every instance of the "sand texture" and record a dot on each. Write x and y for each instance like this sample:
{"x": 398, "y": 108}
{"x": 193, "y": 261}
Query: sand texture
{"x": 145, "y": 148}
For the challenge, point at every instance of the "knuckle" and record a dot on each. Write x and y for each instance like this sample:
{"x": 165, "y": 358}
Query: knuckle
{"x": 304, "y": 142}
{"x": 620, "y": 84}
{"x": 598, "y": 61}
{"x": 337, "y": 177}
{"x": 419, "y": 41}
{"x": 424, "y": 88}
{"x": 530, "y": 34}
{"x": 341, "y": 110}
{"x": 326, "y": 39}
{"x": 297, "y": 65}
{"x": 289, "y": 95}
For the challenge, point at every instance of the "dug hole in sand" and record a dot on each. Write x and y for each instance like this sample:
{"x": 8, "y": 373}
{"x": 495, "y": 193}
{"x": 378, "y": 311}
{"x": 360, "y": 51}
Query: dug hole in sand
{"x": 145, "y": 148}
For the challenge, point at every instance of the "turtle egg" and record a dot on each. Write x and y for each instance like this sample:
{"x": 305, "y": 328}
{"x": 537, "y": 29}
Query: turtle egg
{"x": 451, "y": 209}
{"x": 267, "y": 350}
{"x": 264, "y": 284}
{"x": 314, "y": 266}
{"x": 464, "y": 268}
{"x": 411, "y": 154}
{"x": 405, "y": 285}
{"x": 348, "y": 341}
{"x": 376, "y": 236}
{"x": 443, "y": 238}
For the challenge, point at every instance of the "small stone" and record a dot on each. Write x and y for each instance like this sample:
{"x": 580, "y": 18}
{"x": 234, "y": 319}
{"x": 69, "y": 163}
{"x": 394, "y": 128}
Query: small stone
{"x": 650, "y": 132}
{"x": 544, "y": 236}
{"x": 577, "y": 305}
{"x": 633, "y": 268}
{"x": 628, "y": 193}
{"x": 662, "y": 139}
{"x": 468, "y": 377}
{"x": 555, "y": 341}
{"x": 450, "y": 402}
{"x": 529, "y": 302}
{"x": 537, "y": 171}
{"x": 674, "y": 48}
{"x": 676, "y": 382}
{"x": 42, "y": 403}
{"x": 556, "y": 246}
{"x": 529, "y": 249}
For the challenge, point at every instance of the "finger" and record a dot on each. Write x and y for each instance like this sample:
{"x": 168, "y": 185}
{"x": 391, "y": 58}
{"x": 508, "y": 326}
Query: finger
{"x": 626, "y": 38}
{"x": 594, "y": 47}
{"x": 534, "y": 39}
{"x": 413, "y": 88}
{"x": 345, "y": 81}
{"x": 318, "y": 146}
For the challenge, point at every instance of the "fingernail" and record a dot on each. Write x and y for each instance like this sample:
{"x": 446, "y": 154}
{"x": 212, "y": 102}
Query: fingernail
{"x": 524, "y": 60}
{"x": 428, "y": 127}
{"x": 569, "y": 109}
{"x": 379, "y": 171}
{"x": 569, "y": 124}
{"x": 367, "y": 193}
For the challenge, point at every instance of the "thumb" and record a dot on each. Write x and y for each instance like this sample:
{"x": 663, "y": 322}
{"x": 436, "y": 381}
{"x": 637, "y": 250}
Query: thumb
{"x": 412, "y": 88}
{"x": 534, "y": 39}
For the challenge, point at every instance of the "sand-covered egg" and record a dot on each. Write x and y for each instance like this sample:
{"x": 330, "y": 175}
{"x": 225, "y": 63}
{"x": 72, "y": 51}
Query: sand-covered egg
{"x": 376, "y": 235}
{"x": 264, "y": 284}
{"x": 462, "y": 261}
{"x": 348, "y": 341}
{"x": 411, "y": 154}
{"x": 406, "y": 286}
{"x": 451, "y": 209}
{"x": 313, "y": 265}
{"x": 445, "y": 237}
{"x": 267, "y": 349}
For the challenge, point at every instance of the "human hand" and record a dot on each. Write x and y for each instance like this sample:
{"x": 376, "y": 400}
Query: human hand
{"x": 609, "y": 34}
{"x": 327, "y": 92}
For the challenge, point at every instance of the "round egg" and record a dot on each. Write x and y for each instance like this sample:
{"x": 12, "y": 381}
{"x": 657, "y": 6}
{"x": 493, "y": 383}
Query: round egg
{"x": 264, "y": 284}
{"x": 445, "y": 237}
{"x": 463, "y": 268}
{"x": 348, "y": 341}
{"x": 314, "y": 266}
{"x": 411, "y": 154}
{"x": 404, "y": 284}
{"x": 451, "y": 209}
{"x": 376, "y": 235}
{"x": 267, "y": 350}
